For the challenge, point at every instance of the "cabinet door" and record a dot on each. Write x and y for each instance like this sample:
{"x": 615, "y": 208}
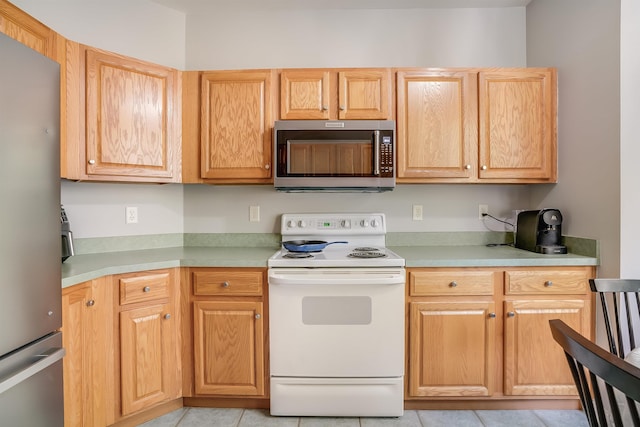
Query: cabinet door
{"x": 364, "y": 94}
{"x": 518, "y": 115}
{"x": 437, "y": 126}
{"x": 21, "y": 27}
{"x": 87, "y": 365}
{"x": 305, "y": 94}
{"x": 228, "y": 347}
{"x": 236, "y": 126}
{"x": 132, "y": 126}
{"x": 452, "y": 348}
{"x": 148, "y": 373}
{"x": 534, "y": 363}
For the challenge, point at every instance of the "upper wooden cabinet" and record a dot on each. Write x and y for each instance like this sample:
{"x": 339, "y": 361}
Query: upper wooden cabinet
{"x": 123, "y": 118}
{"x": 323, "y": 94}
{"x": 437, "y": 127}
{"x": 477, "y": 125}
{"x": 27, "y": 30}
{"x": 518, "y": 130}
{"x": 234, "y": 143}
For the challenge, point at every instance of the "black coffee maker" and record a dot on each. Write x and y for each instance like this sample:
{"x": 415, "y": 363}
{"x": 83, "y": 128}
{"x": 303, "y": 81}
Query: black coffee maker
{"x": 540, "y": 231}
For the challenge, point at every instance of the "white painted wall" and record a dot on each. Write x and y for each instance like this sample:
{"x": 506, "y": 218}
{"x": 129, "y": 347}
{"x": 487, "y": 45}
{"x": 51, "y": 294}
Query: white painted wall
{"x": 137, "y": 28}
{"x": 629, "y": 147}
{"x": 254, "y": 38}
{"x": 582, "y": 38}
{"x": 260, "y": 39}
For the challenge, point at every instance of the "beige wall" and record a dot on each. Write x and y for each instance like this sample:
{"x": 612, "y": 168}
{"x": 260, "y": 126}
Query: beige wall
{"x": 629, "y": 140}
{"x": 582, "y": 38}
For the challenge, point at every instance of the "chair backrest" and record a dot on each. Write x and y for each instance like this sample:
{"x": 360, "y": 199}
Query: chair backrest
{"x": 591, "y": 364}
{"x": 620, "y": 300}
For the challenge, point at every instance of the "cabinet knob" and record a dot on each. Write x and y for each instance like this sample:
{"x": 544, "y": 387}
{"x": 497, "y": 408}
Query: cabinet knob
{"x": 258, "y": 316}
{"x": 146, "y": 289}
{"x": 467, "y": 167}
{"x": 91, "y": 303}
{"x": 453, "y": 284}
{"x": 325, "y": 108}
{"x": 167, "y": 316}
{"x": 492, "y": 315}
{"x": 342, "y": 108}
{"x": 483, "y": 167}
{"x": 225, "y": 284}
{"x": 267, "y": 166}
{"x": 548, "y": 283}
{"x": 510, "y": 314}
{"x": 92, "y": 162}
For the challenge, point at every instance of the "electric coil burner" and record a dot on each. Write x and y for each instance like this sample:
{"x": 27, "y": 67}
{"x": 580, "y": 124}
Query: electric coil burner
{"x": 336, "y": 320}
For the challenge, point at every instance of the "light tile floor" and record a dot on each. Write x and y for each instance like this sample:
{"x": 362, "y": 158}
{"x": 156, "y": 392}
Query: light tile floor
{"x": 215, "y": 417}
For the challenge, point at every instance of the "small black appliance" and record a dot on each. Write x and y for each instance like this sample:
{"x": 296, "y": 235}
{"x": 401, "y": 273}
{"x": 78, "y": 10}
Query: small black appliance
{"x": 67, "y": 235}
{"x": 540, "y": 231}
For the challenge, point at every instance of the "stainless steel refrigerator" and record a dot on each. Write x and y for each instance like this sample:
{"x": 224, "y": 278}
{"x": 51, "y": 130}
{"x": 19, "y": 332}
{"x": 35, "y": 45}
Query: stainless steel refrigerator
{"x": 31, "y": 352}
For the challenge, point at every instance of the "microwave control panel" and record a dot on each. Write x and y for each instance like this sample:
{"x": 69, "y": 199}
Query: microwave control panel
{"x": 386, "y": 156}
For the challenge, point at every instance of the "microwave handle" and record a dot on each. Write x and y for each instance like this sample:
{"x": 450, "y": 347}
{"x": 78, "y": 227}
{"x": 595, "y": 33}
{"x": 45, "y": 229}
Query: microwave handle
{"x": 376, "y": 152}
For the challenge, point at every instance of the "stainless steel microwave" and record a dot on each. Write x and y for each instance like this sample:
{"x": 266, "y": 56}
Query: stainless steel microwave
{"x": 348, "y": 155}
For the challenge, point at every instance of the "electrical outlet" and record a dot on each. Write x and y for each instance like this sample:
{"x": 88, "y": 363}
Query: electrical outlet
{"x": 417, "y": 212}
{"x": 482, "y": 209}
{"x": 254, "y": 213}
{"x": 131, "y": 215}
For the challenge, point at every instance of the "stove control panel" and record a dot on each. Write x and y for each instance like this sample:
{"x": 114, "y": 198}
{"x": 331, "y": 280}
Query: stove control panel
{"x": 338, "y": 223}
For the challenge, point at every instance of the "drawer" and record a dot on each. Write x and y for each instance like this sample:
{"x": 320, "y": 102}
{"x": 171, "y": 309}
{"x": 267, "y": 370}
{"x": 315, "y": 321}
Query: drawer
{"x": 451, "y": 282}
{"x": 240, "y": 283}
{"x": 573, "y": 281}
{"x": 146, "y": 287}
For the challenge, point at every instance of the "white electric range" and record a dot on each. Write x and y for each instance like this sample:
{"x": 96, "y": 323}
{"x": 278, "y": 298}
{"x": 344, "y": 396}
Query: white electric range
{"x": 336, "y": 319}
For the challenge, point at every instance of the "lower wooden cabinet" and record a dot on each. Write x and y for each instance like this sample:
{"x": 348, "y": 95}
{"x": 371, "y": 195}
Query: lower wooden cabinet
{"x": 149, "y": 362}
{"x": 87, "y": 336}
{"x": 534, "y": 365}
{"x": 229, "y": 333}
{"x": 484, "y": 332}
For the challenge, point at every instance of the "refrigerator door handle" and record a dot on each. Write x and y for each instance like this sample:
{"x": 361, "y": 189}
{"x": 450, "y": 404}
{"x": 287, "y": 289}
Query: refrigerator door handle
{"x": 48, "y": 358}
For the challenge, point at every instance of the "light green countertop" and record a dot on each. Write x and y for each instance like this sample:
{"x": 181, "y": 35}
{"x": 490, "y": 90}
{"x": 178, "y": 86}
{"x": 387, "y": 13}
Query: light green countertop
{"x": 484, "y": 256}
{"x": 81, "y": 268}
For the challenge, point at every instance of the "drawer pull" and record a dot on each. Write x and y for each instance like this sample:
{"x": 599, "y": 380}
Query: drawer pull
{"x": 548, "y": 283}
{"x": 167, "y": 316}
{"x": 258, "y": 316}
{"x": 492, "y": 315}
{"x": 225, "y": 284}
{"x": 453, "y": 284}
{"x": 91, "y": 303}
{"x": 510, "y": 314}
{"x": 146, "y": 289}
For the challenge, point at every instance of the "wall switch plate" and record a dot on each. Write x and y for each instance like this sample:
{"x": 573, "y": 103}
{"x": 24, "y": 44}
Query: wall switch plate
{"x": 131, "y": 215}
{"x": 417, "y": 212}
{"x": 254, "y": 213}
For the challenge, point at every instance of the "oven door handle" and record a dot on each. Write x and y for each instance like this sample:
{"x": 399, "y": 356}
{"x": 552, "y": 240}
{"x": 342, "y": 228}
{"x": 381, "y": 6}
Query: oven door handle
{"x": 301, "y": 280}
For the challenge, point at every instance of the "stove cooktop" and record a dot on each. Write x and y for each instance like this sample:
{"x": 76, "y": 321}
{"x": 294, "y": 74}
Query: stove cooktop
{"x": 381, "y": 257}
{"x": 364, "y": 232}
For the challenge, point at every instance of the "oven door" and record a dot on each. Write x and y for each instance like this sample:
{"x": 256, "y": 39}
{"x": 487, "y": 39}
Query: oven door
{"x": 337, "y": 322}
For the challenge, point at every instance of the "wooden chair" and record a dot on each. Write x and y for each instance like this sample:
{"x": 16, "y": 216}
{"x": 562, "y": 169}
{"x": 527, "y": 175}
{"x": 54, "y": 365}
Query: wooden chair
{"x": 590, "y": 365}
{"x": 620, "y": 300}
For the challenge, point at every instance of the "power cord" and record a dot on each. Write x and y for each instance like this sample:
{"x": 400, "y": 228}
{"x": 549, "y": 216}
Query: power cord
{"x": 497, "y": 219}
{"x": 502, "y": 221}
